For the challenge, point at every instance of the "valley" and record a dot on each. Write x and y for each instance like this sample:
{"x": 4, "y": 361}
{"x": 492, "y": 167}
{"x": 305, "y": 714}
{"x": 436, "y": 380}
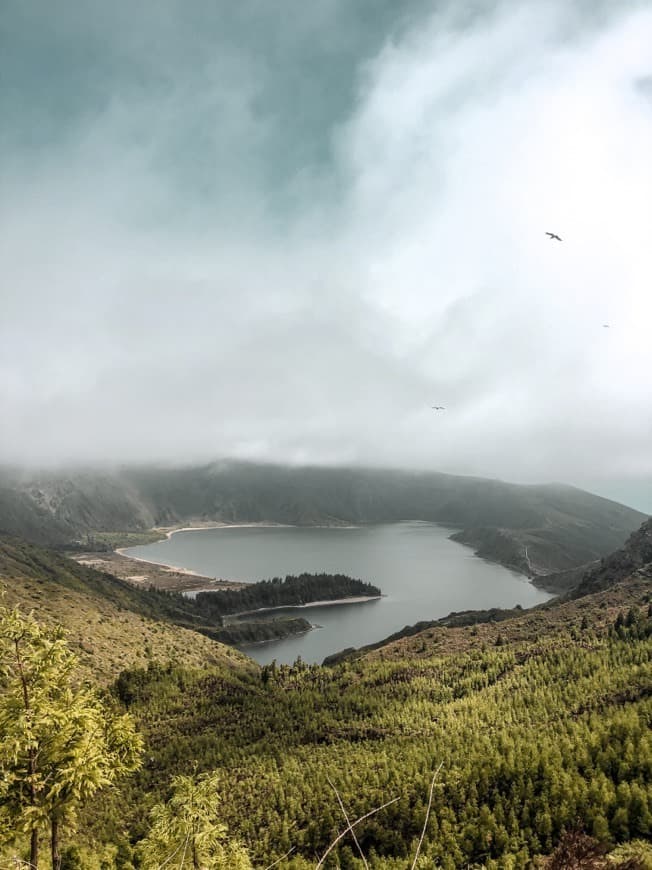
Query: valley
{"x": 538, "y": 719}
{"x": 562, "y": 526}
{"x": 325, "y": 435}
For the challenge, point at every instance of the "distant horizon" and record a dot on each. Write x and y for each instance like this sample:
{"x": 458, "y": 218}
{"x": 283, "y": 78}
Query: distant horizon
{"x": 636, "y": 495}
{"x": 632, "y": 493}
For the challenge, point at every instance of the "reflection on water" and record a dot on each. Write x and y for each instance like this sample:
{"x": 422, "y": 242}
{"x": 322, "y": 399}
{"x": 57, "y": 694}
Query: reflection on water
{"x": 422, "y": 574}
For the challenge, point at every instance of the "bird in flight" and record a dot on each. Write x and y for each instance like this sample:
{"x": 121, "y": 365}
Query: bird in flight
{"x": 554, "y": 236}
{"x": 438, "y": 408}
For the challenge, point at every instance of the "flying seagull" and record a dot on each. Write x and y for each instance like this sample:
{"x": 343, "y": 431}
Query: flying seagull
{"x": 438, "y": 408}
{"x": 554, "y": 236}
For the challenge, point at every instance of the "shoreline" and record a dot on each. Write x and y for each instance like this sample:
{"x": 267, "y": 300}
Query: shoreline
{"x": 262, "y": 524}
{"x": 256, "y": 643}
{"x": 177, "y": 570}
{"x": 356, "y": 599}
{"x": 168, "y": 532}
{"x": 188, "y": 572}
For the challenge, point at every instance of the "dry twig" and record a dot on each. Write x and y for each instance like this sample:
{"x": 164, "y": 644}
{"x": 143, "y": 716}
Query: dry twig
{"x": 425, "y": 824}
{"x": 278, "y": 860}
{"x": 348, "y": 821}
{"x": 350, "y": 828}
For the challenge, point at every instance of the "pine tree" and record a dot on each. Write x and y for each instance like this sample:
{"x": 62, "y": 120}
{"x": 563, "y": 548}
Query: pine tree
{"x": 59, "y": 743}
{"x": 186, "y": 831}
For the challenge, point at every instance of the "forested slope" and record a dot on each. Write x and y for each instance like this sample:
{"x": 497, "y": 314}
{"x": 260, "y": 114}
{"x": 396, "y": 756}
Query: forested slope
{"x": 538, "y": 723}
{"x": 111, "y": 624}
{"x": 73, "y": 595}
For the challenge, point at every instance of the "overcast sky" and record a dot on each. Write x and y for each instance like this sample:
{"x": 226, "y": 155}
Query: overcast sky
{"x": 282, "y": 231}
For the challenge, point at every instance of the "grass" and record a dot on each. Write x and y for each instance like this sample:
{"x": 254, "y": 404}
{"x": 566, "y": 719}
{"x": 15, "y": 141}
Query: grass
{"x": 108, "y": 639}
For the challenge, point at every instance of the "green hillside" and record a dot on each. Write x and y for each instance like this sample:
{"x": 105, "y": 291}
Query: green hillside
{"x": 34, "y": 577}
{"x": 538, "y": 722}
{"x": 111, "y": 624}
{"x": 541, "y": 722}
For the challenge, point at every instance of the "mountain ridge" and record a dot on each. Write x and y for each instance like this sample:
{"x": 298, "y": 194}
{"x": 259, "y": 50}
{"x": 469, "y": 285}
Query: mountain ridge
{"x": 533, "y": 528}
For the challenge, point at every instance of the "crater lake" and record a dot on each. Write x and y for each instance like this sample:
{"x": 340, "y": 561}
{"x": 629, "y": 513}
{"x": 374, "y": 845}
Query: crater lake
{"x": 422, "y": 573}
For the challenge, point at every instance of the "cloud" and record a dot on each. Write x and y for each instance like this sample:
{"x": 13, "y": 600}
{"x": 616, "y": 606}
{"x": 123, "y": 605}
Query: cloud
{"x": 287, "y": 236}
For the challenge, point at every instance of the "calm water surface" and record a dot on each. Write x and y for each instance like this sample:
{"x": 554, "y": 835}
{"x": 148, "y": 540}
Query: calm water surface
{"x": 422, "y": 574}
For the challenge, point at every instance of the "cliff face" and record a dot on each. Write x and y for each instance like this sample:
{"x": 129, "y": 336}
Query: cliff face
{"x": 53, "y": 509}
{"x": 635, "y": 557}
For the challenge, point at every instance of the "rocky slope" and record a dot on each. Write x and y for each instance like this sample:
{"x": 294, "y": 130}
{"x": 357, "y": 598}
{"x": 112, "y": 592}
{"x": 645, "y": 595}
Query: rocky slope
{"x": 634, "y": 559}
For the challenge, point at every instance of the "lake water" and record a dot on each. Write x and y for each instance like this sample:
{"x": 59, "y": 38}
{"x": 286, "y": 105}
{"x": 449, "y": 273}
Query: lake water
{"x": 422, "y": 574}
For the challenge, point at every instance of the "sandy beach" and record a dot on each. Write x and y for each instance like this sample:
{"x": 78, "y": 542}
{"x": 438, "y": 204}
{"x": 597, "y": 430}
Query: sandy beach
{"x": 176, "y": 570}
{"x": 147, "y": 572}
{"x": 168, "y": 531}
{"x": 356, "y": 599}
{"x": 186, "y": 572}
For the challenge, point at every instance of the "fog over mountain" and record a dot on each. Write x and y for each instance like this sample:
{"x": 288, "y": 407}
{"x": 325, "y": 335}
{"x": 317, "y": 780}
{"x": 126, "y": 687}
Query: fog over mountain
{"x": 282, "y": 232}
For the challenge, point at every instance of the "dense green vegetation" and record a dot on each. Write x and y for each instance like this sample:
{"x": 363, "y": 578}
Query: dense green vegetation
{"x": 538, "y": 722}
{"x": 533, "y": 737}
{"x": 19, "y": 558}
{"x": 188, "y": 826}
{"x": 243, "y": 632}
{"x": 534, "y": 740}
{"x": 60, "y": 743}
{"x": 290, "y": 591}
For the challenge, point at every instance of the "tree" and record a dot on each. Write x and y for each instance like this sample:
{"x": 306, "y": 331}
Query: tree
{"x": 577, "y": 850}
{"x": 59, "y": 743}
{"x": 186, "y": 831}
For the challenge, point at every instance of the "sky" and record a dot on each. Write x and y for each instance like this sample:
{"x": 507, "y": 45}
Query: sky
{"x": 282, "y": 232}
